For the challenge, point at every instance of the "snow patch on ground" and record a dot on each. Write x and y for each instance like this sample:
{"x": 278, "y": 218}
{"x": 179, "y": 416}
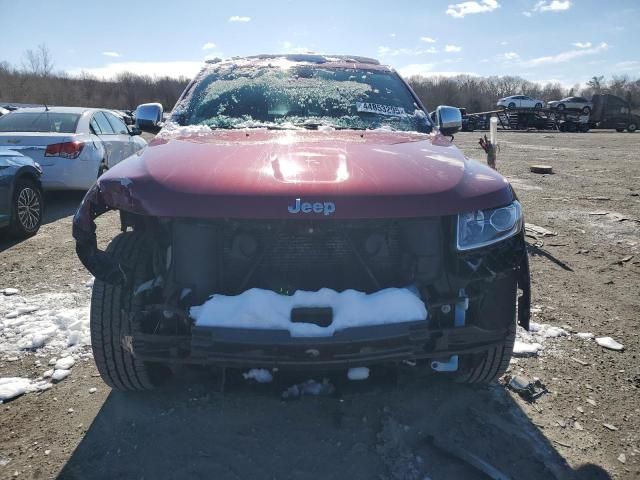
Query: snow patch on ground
{"x": 264, "y": 309}
{"x": 532, "y": 342}
{"x": 11, "y": 387}
{"x": 46, "y": 322}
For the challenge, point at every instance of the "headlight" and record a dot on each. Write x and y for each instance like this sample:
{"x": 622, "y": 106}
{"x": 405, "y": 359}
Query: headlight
{"x": 485, "y": 227}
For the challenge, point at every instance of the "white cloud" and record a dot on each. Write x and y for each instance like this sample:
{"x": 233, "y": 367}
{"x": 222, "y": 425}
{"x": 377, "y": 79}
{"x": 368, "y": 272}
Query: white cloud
{"x": 426, "y": 70}
{"x": 154, "y": 69}
{"x": 566, "y": 56}
{"x": 503, "y": 43}
{"x": 459, "y": 10}
{"x": 392, "y": 35}
{"x": 409, "y": 52}
{"x": 526, "y": 14}
{"x": 452, "y": 48}
{"x": 582, "y": 44}
{"x": 428, "y": 39}
{"x": 209, "y": 46}
{"x": 238, "y": 18}
{"x": 628, "y": 65}
{"x": 509, "y": 56}
{"x": 553, "y": 6}
{"x": 111, "y": 54}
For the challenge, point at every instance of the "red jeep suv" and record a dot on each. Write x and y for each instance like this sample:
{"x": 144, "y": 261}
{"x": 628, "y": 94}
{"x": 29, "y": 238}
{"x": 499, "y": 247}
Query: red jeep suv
{"x": 303, "y": 211}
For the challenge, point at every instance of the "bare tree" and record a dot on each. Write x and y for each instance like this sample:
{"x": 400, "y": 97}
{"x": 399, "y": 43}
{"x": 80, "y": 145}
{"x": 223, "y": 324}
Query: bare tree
{"x": 596, "y": 83}
{"x": 38, "y": 62}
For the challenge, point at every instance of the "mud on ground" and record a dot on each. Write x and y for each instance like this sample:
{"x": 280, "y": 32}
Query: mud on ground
{"x": 398, "y": 424}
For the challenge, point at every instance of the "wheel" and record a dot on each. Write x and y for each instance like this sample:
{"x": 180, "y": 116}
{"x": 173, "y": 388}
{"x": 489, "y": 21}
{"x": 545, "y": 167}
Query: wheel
{"x": 619, "y": 130}
{"x": 538, "y": 106}
{"x": 560, "y": 107}
{"x": 110, "y": 320}
{"x": 586, "y": 110}
{"x": 511, "y": 106}
{"x": 572, "y": 127}
{"x": 490, "y": 366}
{"x": 584, "y": 127}
{"x": 632, "y": 127}
{"x": 27, "y": 209}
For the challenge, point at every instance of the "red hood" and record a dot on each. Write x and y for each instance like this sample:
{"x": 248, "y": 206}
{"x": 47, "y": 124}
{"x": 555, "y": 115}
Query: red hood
{"x": 258, "y": 173}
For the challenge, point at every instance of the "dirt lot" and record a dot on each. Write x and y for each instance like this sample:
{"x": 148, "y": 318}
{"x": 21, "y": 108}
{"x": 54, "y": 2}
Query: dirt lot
{"x": 397, "y": 424}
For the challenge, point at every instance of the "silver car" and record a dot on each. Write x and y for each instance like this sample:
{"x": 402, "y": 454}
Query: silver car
{"x": 572, "y": 103}
{"x": 73, "y": 145}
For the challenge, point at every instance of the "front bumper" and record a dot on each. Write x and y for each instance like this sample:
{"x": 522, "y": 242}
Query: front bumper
{"x": 360, "y": 346}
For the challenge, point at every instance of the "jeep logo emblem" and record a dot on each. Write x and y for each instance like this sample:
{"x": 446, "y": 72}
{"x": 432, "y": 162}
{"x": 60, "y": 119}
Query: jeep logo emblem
{"x": 326, "y": 208}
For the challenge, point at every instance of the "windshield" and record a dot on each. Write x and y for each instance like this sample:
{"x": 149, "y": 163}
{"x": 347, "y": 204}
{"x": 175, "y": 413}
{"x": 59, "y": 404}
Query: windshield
{"x": 302, "y": 95}
{"x": 39, "y": 122}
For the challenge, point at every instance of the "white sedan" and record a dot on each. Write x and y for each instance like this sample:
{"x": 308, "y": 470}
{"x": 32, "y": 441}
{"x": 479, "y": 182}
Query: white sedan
{"x": 572, "y": 103}
{"x": 520, "y": 101}
{"x": 73, "y": 145}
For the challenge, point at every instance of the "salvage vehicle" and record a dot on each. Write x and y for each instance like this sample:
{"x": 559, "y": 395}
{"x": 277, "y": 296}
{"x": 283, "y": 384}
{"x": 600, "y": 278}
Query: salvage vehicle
{"x": 21, "y": 203}
{"x": 303, "y": 211}
{"x": 73, "y": 145}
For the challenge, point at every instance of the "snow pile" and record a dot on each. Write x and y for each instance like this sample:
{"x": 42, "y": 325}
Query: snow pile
{"x": 12, "y": 387}
{"x": 264, "y": 309}
{"x": 610, "y": 343}
{"x": 260, "y": 375}
{"x": 532, "y": 342}
{"x": 49, "y": 322}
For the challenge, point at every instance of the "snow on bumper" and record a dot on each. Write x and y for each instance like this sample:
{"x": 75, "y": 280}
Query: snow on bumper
{"x": 264, "y": 309}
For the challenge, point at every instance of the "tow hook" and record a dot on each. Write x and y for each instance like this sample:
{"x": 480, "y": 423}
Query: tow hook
{"x": 459, "y": 320}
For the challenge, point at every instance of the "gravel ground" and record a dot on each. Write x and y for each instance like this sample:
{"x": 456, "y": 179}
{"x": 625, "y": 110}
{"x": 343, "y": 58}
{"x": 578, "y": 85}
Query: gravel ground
{"x": 400, "y": 423}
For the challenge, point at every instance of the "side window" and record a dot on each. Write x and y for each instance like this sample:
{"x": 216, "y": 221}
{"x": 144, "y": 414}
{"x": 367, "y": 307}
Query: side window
{"x": 118, "y": 125}
{"x": 95, "y": 128}
{"x": 103, "y": 123}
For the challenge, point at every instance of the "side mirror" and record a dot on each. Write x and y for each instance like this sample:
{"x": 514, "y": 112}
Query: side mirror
{"x": 149, "y": 117}
{"x": 448, "y": 120}
{"x": 133, "y": 130}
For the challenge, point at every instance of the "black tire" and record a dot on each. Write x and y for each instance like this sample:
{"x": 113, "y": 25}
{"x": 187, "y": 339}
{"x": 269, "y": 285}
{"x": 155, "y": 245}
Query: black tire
{"x": 111, "y": 307}
{"x": 560, "y": 107}
{"x": 490, "y": 366}
{"x": 511, "y": 106}
{"x": 632, "y": 127}
{"x": 538, "y": 106}
{"x": 586, "y": 110}
{"x": 26, "y": 209}
{"x": 584, "y": 127}
{"x": 619, "y": 130}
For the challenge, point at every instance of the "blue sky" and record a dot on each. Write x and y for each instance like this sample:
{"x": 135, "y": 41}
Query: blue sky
{"x": 542, "y": 40}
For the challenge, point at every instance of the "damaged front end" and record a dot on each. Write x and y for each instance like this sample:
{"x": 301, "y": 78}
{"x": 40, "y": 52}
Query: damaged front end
{"x": 470, "y": 295}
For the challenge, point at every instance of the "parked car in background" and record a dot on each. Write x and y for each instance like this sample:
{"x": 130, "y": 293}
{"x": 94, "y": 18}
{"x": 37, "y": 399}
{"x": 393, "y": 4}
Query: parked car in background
{"x": 73, "y": 145}
{"x": 572, "y": 103}
{"x": 21, "y": 204}
{"x": 520, "y": 101}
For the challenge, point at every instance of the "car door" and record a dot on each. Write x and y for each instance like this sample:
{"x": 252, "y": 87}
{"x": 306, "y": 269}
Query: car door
{"x": 526, "y": 102}
{"x": 122, "y": 139}
{"x": 104, "y": 130}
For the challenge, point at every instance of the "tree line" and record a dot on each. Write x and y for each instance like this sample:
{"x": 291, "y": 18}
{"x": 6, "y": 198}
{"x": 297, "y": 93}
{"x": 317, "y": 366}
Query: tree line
{"x": 35, "y": 81}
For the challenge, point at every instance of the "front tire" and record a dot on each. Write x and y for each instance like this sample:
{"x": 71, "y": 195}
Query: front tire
{"x": 538, "y": 106}
{"x": 489, "y": 367}
{"x": 511, "y": 106}
{"x": 632, "y": 127}
{"x": 586, "y": 110}
{"x": 110, "y": 320}
{"x": 27, "y": 209}
{"x": 560, "y": 107}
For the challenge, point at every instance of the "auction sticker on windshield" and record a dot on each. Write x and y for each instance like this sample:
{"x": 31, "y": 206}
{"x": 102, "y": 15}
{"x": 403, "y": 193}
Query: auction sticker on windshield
{"x": 380, "y": 109}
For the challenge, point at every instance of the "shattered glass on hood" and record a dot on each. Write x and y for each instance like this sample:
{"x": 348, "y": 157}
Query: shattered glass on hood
{"x": 281, "y": 94}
